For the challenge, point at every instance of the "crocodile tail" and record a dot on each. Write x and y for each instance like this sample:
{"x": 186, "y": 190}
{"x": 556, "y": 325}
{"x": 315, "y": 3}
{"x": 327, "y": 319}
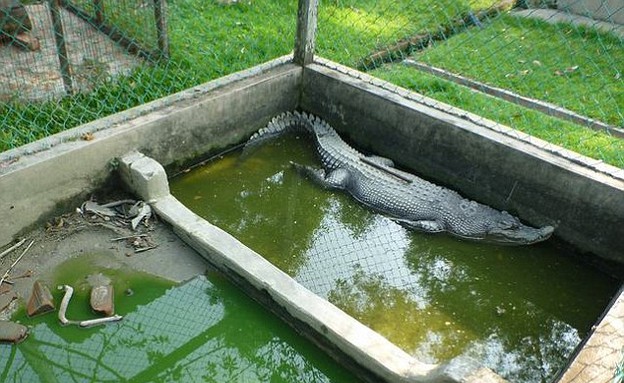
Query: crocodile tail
{"x": 279, "y": 125}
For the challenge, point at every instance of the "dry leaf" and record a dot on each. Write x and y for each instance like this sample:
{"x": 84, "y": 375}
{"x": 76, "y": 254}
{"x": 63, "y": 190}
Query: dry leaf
{"x": 537, "y": 62}
{"x": 571, "y": 69}
{"x": 87, "y": 136}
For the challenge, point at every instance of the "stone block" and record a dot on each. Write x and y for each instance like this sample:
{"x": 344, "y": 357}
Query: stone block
{"x": 40, "y": 301}
{"x": 12, "y": 332}
{"x": 102, "y": 300}
{"x": 146, "y": 177}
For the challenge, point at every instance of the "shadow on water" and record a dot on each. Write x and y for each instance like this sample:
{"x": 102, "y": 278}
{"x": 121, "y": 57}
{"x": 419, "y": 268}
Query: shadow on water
{"x": 520, "y": 310}
{"x": 204, "y": 330}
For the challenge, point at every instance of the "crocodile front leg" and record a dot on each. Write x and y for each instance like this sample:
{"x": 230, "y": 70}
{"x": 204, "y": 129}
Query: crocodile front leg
{"x": 335, "y": 179}
{"x": 427, "y": 226}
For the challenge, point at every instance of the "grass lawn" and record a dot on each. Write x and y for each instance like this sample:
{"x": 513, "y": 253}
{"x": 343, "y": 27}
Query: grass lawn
{"x": 350, "y": 30}
{"x": 576, "y": 68}
{"x": 209, "y": 40}
{"x": 563, "y": 133}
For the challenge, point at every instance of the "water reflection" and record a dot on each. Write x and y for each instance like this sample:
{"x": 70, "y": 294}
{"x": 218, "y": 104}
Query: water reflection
{"x": 195, "y": 332}
{"x": 520, "y": 310}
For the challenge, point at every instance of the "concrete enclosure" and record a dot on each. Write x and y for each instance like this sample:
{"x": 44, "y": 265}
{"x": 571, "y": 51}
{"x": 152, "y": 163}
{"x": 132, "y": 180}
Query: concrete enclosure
{"x": 539, "y": 182}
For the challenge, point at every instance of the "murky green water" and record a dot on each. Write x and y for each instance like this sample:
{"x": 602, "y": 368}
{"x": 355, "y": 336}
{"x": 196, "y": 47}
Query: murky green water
{"x": 204, "y": 330}
{"x": 520, "y": 310}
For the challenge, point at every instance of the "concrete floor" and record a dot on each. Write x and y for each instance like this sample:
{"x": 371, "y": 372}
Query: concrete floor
{"x": 72, "y": 235}
{"x": 36, "y": 76}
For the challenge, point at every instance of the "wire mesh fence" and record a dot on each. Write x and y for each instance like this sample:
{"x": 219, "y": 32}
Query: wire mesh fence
{"x": 71, "y": 62}
{"x": 550, "y": 69}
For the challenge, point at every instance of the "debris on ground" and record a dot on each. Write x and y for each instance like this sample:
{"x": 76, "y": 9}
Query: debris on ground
{"x": 12, "y": 332}
{"x": 102, "y": 294}
{"x": 123, "y": 214}
{"x": 69, "y": 291}
{"x": 130, "y": 220}
{"x": 6, "y": 298}
{"x": 40, "y": 301}
{"x": 10, "y": 249}
{"x": 8, "y": 272}
{"x": 7, "y": 293}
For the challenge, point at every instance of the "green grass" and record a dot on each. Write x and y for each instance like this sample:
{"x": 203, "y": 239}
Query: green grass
{"x": 349, "y": 30}
{"x": 582, "y": 140}
{"x": 576, "y": 68}
{"x": 209, "y": 40}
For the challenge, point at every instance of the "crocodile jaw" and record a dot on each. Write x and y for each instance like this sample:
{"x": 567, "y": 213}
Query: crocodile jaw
{"x": 523, "y": 235}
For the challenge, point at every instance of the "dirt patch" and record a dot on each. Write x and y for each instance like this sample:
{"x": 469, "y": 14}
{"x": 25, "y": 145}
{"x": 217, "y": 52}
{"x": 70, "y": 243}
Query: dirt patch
{"x": 152, "y": 248}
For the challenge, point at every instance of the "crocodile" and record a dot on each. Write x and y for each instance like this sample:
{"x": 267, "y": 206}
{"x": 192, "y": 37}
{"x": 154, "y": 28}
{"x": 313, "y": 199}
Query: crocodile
{"x": 409, "y": 200}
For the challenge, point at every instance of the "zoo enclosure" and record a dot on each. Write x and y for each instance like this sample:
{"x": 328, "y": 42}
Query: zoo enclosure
{"x": 66, "y": 47}
{"x": 555, "y": 69}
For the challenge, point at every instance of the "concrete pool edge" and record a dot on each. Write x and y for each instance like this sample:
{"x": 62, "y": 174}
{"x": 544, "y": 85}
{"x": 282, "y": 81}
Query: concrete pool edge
{"x": 366, "y": 348}
{"x": 44, "y": 175}
{"x": 49, "y": 176}
{"x": 540, "y": 182}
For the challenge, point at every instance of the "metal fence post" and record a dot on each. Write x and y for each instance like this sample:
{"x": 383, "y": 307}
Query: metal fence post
{"x": 306, "y": 31}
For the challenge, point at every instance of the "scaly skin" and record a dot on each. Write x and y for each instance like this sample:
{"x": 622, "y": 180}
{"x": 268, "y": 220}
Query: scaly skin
{"x": 406, "y": 198}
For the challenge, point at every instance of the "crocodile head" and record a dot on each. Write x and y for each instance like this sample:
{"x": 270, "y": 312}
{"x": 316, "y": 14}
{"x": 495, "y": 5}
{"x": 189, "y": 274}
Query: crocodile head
{"x": 489, "y": 225}
{"x": 508, "y": 230}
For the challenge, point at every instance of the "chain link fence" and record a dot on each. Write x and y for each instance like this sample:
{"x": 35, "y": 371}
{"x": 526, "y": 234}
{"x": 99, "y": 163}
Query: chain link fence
{"x": 68, "y": 62}
{"x": 552, "y": 69}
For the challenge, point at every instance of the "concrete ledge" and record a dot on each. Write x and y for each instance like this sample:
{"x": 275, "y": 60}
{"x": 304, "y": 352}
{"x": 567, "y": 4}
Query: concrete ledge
{"x": 48, "y": 176}
{"x": 597, "y": 360}
{"x": 541, "y": 183}
{"x": 608, "y": 10}
{"x": 329, "y": 327}
{"x": 554, "y": 16}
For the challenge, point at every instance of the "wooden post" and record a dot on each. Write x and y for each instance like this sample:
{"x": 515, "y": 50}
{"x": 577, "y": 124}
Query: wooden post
{"x": 99, "y": 11}
{"x": 61, "y": 47}
{"x": 306, "y": 31}
{"x": 160, "y": 15}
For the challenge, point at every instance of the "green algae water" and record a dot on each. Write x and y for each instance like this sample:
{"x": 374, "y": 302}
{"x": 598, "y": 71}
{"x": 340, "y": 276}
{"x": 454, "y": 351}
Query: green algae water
{"x": 519, "y": 310}
{"x": 203, "y": 330}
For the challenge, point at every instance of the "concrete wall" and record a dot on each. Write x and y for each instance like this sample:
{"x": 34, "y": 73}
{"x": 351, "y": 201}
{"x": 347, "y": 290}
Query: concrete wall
{"x": 607, "y": 10}
{"x": 45, "y": 178}
{"x": 540, "y": 183}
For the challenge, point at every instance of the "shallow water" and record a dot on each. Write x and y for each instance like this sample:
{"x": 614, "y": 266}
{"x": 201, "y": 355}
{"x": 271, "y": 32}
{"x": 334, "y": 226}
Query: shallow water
{"x": 519, "y": 310}
{"x": 204, "y": 330}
